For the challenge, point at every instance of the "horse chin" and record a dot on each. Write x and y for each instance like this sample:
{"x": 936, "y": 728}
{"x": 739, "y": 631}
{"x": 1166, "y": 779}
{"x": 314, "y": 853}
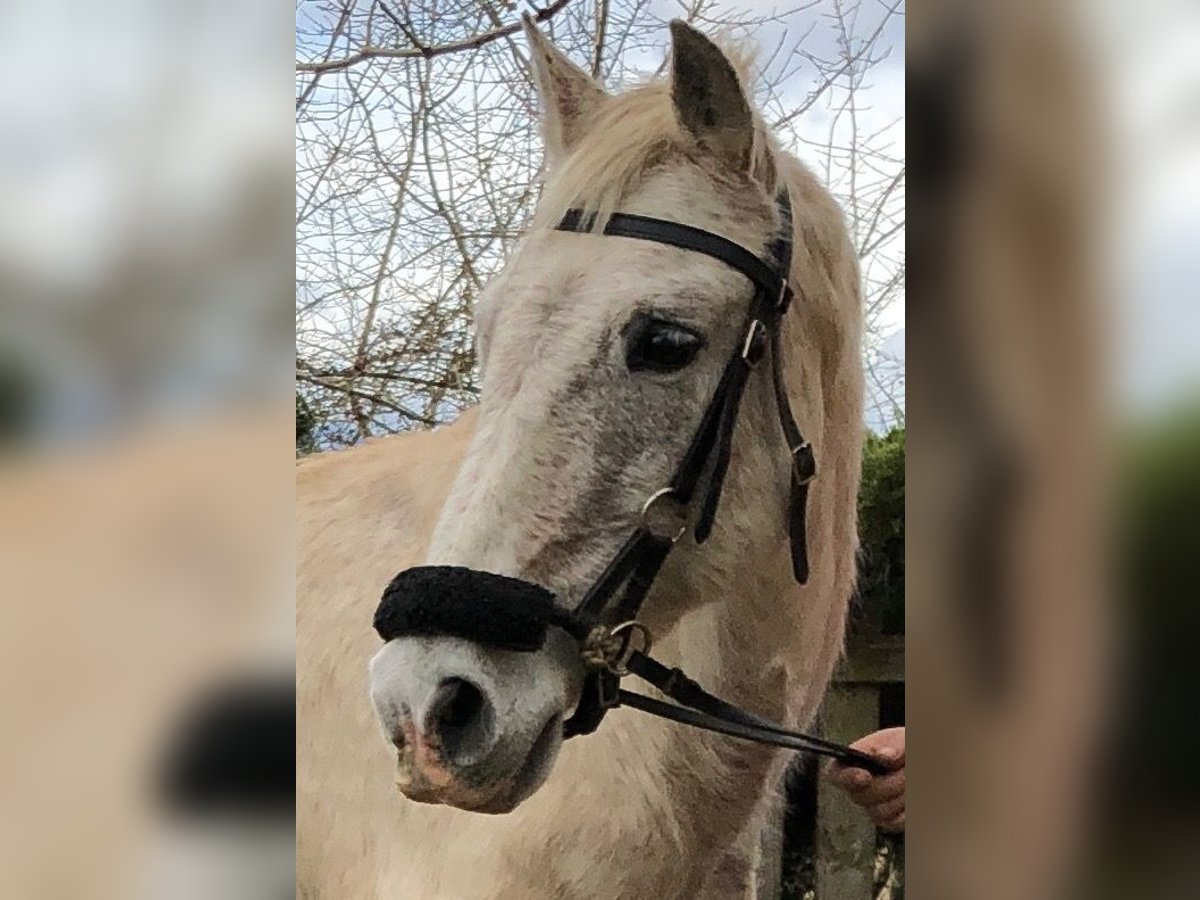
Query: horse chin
{"x": 533, "y": 773}
{"x": 499, "y": 797}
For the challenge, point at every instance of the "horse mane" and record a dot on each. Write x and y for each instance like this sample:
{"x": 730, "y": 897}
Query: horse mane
{"x": 636, "y": 132}
{"x": 631, "y": 135}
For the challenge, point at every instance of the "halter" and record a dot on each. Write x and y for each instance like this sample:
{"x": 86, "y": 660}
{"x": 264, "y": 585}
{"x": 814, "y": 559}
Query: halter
{"x": 511, "y": 614}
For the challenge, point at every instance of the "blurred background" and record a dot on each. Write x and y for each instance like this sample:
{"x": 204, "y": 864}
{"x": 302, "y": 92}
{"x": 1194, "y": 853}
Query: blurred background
{"x": 1039, "y": 324}
{"x": 1052, "y": 474}
{"x": 146, "y": 346}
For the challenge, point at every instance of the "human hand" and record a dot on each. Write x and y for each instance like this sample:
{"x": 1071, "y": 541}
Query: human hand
{"x": 882, "y": 796}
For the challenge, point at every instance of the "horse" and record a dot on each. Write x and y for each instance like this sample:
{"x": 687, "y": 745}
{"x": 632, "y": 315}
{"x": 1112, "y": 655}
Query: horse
{"x": 581, "y": 417}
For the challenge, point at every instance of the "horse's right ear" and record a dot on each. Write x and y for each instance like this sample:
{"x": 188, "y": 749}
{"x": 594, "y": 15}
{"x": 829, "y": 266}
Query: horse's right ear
{"x": 570, "y": 96}
{"x": 708, "y": 96}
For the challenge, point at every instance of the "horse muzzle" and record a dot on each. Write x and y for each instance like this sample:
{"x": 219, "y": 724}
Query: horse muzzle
{"x": 475, "y": 725}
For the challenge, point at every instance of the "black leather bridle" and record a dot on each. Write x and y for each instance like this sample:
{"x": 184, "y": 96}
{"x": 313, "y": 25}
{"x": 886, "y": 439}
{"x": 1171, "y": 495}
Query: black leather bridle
{"x": 511, "y": 614}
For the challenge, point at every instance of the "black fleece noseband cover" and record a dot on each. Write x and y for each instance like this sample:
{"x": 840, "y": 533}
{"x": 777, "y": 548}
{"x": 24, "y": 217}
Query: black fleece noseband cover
{"x": 452, "y": 601}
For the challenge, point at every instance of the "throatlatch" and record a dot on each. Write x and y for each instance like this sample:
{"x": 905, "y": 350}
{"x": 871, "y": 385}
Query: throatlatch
{"x": 512, "y": 614}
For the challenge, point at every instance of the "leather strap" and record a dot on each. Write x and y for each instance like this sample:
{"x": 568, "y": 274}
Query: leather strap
{"x": 775, "y": 737}
{"x": 590, "y": 711}
{"x": 600, "y": 687}
{"x": 687, "y": 477}
{"x": 676, "y": 685}
{"x": 642, "y": 579}
{"x": 685, "y": 237}
{"x": 721, "y": 447}
{"x": 616, "y": 574}
{"x": 803, "y": 469}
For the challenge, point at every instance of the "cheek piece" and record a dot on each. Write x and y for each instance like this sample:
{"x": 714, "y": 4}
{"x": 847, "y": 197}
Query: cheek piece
{"x": 510, "y": 614}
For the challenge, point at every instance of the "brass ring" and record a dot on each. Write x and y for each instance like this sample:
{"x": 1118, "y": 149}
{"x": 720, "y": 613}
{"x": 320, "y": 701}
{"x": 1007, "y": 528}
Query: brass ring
{"x": 649, "y": 505}
{"x": 619, "y": 663}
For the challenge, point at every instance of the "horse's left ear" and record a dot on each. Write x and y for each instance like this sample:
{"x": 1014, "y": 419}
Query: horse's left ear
{"x": 570, "y": 96}
{"x": 708, "y": 97}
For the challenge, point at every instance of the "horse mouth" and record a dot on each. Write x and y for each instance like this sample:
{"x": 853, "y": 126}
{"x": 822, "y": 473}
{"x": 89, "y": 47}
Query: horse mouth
{"x": 495, "y": 796}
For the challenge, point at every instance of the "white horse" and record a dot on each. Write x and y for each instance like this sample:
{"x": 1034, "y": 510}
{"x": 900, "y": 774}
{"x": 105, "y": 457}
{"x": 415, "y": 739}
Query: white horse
{"x": 543, "y": 482}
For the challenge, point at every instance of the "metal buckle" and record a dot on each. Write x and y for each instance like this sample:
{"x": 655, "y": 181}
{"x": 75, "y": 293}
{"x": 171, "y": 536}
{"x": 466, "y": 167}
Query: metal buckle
{"x": 757, "y": 328}
{"x": 618, "y": 663}
{"x": 804, "y": 447}
{"x": 649, "y": 507}
{"x": 784, "y": 300}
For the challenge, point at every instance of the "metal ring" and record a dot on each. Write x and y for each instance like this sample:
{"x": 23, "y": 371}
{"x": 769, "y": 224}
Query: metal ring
{"x": 649, "y": 505}
{"x": 619, "y": 663}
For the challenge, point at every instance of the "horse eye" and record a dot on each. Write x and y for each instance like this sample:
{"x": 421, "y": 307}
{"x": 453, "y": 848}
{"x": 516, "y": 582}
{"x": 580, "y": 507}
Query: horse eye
{"x": 659, "y": 346}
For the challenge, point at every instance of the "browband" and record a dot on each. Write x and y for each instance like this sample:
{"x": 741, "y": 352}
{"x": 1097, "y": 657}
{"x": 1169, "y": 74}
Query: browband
{"x": 685, "y": 237}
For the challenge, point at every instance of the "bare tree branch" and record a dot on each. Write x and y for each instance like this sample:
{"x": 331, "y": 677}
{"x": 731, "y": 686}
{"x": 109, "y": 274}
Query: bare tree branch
{"x": 601, "y": 31}
{"x": 415, "y": 179}
{"x": 420, "y": 51}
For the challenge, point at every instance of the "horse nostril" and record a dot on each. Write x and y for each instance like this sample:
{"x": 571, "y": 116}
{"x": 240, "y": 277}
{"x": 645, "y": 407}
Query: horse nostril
{"x": 460, "y": 722}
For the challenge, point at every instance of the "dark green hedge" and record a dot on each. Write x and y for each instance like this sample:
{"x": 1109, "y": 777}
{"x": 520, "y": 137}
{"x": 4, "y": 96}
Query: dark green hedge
{"x": 880, "y": 601}
{"x": 306, "y": 427}
{"x": 1158, "y": 542}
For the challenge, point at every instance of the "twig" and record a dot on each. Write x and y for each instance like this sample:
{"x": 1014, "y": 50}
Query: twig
{"x": 601, "y": 30}
{"x": 423, "y": 52}
{"x": 370, "y": 398}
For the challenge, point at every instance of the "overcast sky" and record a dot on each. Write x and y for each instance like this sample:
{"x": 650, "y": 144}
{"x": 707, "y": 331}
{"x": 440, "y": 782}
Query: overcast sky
{"x": 148, "y": 117}
{"x": 1148, "y": 64}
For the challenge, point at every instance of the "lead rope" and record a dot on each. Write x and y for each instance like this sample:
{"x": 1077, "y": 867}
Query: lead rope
{"x": 617, "y": 654}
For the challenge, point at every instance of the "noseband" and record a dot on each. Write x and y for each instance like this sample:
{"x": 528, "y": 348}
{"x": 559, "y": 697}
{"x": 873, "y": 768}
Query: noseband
{"x": 511, "y": 614}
